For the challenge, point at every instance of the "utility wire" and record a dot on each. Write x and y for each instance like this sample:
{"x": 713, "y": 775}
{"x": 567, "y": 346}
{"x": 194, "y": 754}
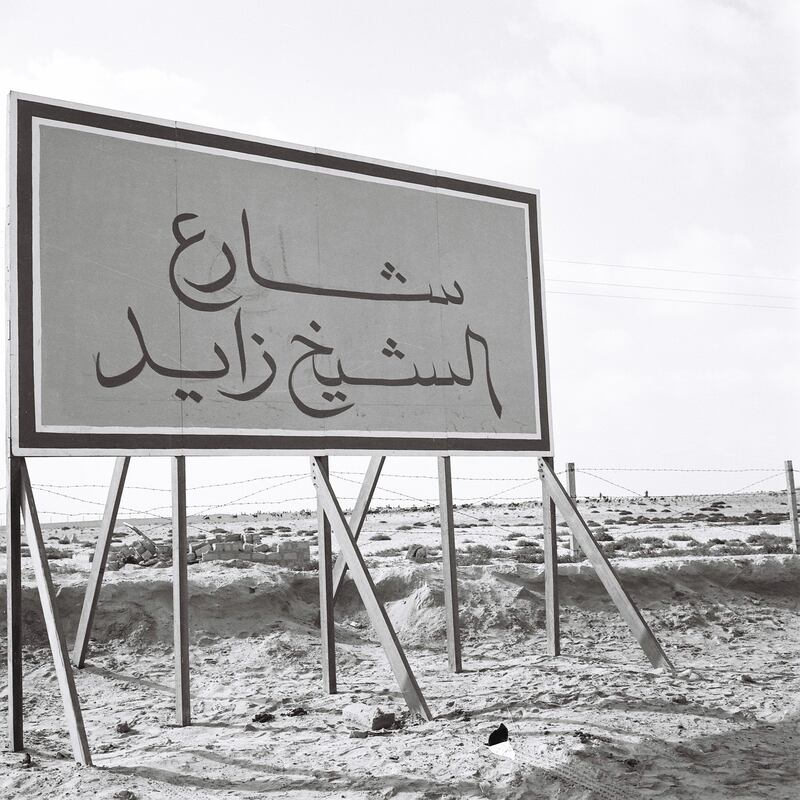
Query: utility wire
{"x": 676, "y": 469}
{"x": 685, "y": 271}
{"x": 671, "y": 300}
{"x": 675, "y": 289}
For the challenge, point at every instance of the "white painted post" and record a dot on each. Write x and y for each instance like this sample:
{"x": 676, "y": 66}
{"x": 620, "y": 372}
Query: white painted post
{"x": 573, "y": 544}
{"x": 550, "y": 543}
{"x": 180, "y": 592}
{"x": 449, "y": 564}
{"x": 791, "y": 495}
{"x": 14, "y": 501}
{"x": 326, "y": 624}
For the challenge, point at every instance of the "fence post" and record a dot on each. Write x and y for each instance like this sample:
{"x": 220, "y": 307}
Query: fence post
{"x": 573, "y": 544}
{"x": 791, "y": 495}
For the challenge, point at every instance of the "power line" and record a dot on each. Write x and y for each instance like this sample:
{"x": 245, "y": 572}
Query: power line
{"x": 686, "y": 270}
{"x": 671, "y": 300}
{"x": 677, "y": 469}
{"x": 675, "y": 289}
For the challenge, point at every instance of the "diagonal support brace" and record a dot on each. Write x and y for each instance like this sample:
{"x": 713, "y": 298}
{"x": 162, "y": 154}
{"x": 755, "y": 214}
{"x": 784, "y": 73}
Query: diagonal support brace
{"x": 98, "y": 568}
{"x": 358, "y": 515}
{"x": 366, "y": 589}
{"x": 47, "y": 595}
{"x": 602, "y": 566}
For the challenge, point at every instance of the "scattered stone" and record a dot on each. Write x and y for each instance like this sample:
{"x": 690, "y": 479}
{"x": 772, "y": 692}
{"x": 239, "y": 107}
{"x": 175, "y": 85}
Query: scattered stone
{"x": 358, "y": 734}
{"x": 124, "y": 794}
{"x": 27, "y": 761}
{"x": 417, "y": 552}
{"x": 680, "y": 699}
{"x": 296, "y": 712}
{"x": 370, "y": 717}
{"x": 123, "y": 727}
{"x": 263, "y": 716}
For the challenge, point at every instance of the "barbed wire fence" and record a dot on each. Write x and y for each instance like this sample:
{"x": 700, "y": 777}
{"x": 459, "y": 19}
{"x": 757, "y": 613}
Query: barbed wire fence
{"x": 269, "y": 494}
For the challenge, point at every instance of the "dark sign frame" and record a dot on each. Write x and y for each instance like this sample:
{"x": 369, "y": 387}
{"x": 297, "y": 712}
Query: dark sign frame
{"x": 25, "y": 439}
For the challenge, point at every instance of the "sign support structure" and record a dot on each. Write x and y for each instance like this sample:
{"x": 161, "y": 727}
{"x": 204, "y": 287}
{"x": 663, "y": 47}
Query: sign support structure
{"x": 330, "y": 518}
{"x": 380, "y": 333}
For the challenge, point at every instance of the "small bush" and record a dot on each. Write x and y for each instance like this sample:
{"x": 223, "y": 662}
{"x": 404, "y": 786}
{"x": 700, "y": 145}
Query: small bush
{"x": 392, "y": 551}
{"x": 476, "y": 554}
{"x": 529, "y": 555}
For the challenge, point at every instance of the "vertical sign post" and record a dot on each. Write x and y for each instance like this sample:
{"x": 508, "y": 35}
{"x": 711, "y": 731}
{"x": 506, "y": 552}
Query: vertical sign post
{"x": 553, "y": 625}
{"x": 449, "y": 564}
{"x": 326, "y": 623}
{"x": 14, "y": 598}
{"x": 180, "y": 591}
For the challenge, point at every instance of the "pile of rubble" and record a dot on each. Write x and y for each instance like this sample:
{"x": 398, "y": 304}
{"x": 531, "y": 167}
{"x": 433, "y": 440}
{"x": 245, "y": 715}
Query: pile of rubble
{"x": 223, "y": 545}
{"x": 145, "y": 553}
{"x": 248, "y": 547}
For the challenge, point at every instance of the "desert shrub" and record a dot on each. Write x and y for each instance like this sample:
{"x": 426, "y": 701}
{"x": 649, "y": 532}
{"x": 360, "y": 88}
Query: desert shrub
{"x": 529, "y": 555}
{"x": 730, "y": 549}
{"x": 404, "y": 527}
{"x": 603, "y": 536}
{"x": 780, "y": 544}
{"x": 525, "y": 543}
{"x": 634, "y": 544}
{"x": 514, "y": 535}
{"x": 380, "y": 537}
{"x": 391, "y": 551}
{"x": 767, "y": 539}
{"x": 678, "y": 536}
{"x": 476, "y": 554}
{"x": 717, "y": 541}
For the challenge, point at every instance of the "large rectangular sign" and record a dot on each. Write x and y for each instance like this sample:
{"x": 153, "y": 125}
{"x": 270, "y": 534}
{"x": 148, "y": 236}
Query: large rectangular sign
{"x": 180, "y": 290}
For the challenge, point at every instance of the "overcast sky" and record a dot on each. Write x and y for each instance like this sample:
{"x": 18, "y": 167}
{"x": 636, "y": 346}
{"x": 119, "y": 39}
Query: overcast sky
{"x": 660, "y": 135}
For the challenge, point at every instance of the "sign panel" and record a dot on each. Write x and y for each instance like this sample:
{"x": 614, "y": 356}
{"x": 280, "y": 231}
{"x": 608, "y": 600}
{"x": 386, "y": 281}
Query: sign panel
{"x": 180, "y": 290}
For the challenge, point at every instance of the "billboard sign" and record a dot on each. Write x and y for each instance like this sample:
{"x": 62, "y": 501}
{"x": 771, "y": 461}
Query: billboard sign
{"x": 181, "y": 290}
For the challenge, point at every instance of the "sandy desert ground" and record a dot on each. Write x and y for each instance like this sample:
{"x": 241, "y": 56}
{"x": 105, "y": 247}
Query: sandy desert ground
{"x": 722, "y": 595}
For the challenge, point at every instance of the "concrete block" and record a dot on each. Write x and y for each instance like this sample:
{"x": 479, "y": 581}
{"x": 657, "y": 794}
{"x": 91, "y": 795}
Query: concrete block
{"x": 367, "y": 717}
